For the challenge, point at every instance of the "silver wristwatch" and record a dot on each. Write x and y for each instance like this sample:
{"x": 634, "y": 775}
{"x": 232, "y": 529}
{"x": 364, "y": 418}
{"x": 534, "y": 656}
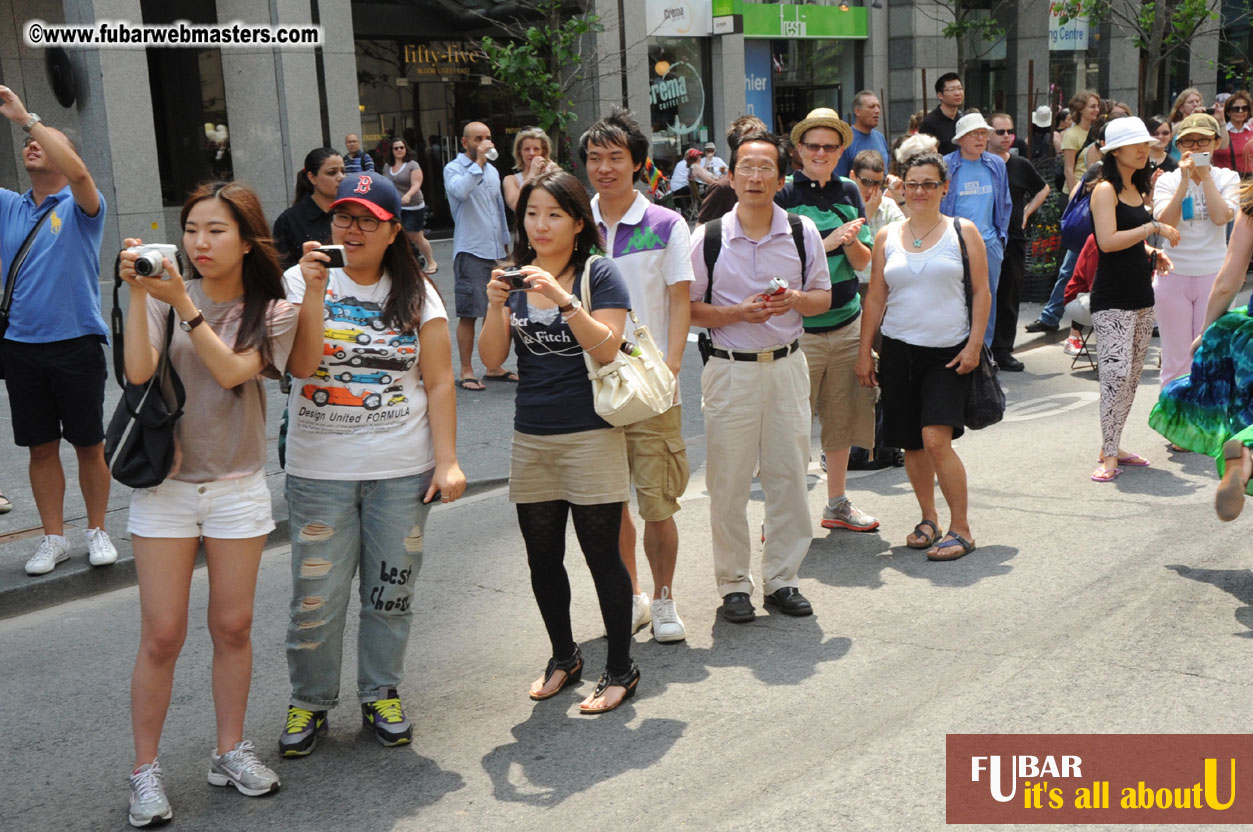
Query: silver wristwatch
{"x": 31, "y": 120}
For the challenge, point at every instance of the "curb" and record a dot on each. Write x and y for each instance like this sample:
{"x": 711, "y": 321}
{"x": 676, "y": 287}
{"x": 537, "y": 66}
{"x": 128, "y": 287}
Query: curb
{"x": 20, "y": 593}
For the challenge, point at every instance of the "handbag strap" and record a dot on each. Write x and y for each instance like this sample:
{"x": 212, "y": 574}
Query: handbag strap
{"x": 961, "y": 242}
{"x": 18, "y": 260}
{"x": 118, "y": 325}
{"x": 586, "y": 291}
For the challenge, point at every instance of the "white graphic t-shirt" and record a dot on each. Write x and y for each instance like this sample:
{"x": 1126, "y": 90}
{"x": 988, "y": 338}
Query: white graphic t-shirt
{"x": 362, "y": 416}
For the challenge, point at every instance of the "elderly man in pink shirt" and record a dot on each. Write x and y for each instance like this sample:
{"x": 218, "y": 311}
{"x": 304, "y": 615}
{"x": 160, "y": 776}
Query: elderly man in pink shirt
{"x": 755, "y": 385}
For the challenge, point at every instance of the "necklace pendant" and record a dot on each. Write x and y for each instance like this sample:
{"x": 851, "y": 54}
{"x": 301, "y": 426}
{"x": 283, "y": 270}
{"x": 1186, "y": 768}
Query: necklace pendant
{"x": 918, "y": 243}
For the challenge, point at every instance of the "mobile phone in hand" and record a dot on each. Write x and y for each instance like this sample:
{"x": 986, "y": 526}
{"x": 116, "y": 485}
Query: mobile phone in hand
{"x": 336, "y": 253}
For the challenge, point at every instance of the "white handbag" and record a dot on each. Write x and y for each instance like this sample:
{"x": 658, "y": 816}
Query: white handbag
{"x": 630, "y": 388}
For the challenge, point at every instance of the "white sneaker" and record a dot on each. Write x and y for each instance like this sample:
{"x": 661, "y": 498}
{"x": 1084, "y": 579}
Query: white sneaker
{"x": 641, "y": 613}
{"x": 53, "y": 549}
{"x": 100, "y": 550}
{"x": 667, "y": 626}
{"x": 149, "y": 805}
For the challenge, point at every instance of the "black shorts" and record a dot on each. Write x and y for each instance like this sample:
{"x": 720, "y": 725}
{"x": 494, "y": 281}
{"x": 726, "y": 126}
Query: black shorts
{"x": 413, "y": 219}
{"x": 56, "y": 390}
{"x": 918, "y": 390}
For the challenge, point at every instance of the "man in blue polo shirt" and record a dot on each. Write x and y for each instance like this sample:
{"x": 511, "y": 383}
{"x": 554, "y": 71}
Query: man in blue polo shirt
{"x": 651, "y": 245}
{"x": 866, "y": 136}
{"x": 54, "y": 366}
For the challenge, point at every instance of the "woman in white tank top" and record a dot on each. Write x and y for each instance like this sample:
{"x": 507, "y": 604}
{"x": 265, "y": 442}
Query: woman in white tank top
{"x": 930, "y": 346}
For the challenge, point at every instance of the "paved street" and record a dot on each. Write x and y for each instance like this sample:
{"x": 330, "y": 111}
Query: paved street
{"x": 1122, "y": 607}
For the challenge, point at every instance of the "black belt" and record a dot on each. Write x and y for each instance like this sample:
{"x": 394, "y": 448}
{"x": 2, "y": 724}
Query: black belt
{"x": 764, "y": 355}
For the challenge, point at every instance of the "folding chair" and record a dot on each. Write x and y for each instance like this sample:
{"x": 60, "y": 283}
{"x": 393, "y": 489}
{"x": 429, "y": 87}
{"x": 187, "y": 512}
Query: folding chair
{"x": 1085, "y": 352}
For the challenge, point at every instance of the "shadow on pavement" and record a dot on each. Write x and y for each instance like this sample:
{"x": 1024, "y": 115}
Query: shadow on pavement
{"x": 1236, "y": 582}
{"x": 859, "y": 560}
{"x": 1153, "y": 481}
{"x": 557, "y": 754}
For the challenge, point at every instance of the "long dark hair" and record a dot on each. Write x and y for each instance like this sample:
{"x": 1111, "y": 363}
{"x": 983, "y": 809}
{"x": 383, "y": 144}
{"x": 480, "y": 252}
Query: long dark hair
{"x": 403, "y": 308}
{"x": 262, "y": 274}
{"x": 314, "y": 160}
{"x": 572, "y": 198}
{"x": 1140, "y": 179}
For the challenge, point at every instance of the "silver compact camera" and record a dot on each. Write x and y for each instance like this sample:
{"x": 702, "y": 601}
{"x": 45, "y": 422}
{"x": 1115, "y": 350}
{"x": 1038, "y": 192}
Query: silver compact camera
{"x": 150, "y": 256}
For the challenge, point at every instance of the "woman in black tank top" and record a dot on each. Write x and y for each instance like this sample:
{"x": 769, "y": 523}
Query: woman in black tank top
{"x": 1122, "y": 293}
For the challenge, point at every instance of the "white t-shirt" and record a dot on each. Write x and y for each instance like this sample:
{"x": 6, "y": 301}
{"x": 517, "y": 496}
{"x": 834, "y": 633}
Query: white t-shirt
{"x": 680, "y": 176}
{"x": 1202, "y": 245}
{"x": 362, "y": 416}
{"x": 651, "y": 246}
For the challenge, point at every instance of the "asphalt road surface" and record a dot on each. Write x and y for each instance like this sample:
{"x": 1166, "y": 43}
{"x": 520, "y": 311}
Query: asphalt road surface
{"x": 1107, "y": 608}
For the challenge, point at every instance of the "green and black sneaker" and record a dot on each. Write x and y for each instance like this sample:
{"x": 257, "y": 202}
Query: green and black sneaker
{"x": 387, "y": 718}
{"x": 301, "y": 734}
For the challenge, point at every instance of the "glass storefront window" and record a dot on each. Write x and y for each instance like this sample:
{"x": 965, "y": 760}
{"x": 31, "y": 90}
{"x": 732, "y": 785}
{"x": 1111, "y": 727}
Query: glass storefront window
{"x": 678, "y": 81}
{"x": 188, "y": 92}
{"x": 810, "y": 74}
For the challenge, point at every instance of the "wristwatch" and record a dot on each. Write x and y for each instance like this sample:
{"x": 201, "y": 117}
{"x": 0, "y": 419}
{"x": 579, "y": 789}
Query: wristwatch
{"x": 188, "y": 326}
{"x": 31, "y": 120}
{"x": 570, "y": 308}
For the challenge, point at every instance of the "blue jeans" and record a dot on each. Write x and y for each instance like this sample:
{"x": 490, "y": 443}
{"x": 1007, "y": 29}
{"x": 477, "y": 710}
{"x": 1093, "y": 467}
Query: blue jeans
{"x": 996, "y": 253}
{"x": 337, "y": 526}
{"x": 1051, "y": 314}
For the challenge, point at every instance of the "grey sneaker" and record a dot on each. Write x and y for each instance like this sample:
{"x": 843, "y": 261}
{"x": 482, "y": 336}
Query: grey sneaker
{"x": 844, "y": 515}
{"x": 149, "y": 805}
{"x": 240, "y": 768}
{"x": 386, "y": 717}
{"x": 53, "y": 549}
{"x": 667, "y": 626}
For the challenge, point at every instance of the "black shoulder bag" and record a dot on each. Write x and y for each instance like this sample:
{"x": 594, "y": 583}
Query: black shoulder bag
{"x": 7, "y": 300}
{"x": 713, "y": 247}
{"x": 139, "y": 442}
{"x": 985, "y": 404}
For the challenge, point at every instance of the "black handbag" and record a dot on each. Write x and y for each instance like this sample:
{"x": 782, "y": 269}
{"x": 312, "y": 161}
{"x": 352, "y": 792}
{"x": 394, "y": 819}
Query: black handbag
{"x": 6, "y": 300}
{"x": 985, "y": 404}
{"x": 139, "y": 442}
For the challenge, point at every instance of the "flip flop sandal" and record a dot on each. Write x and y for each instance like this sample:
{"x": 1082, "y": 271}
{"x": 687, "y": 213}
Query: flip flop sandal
{"x": 512, "y": 378}
{"x": 951, "y": 540}
{"x": 1229, "y": 499}
{"x": 931, "y": 538}
{"x": 1133, "y": 461}
{"x": 465, "y": 383}
{"x": 1105, "y": 474}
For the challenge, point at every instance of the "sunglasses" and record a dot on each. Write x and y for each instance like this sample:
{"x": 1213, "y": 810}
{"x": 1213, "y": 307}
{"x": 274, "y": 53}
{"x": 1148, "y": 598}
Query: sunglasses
{"x": 870, "y": 183}
{"x": 1003, "y": 132}
{"x": 814, "y": 148}
{"x": 28, "y": 141}
{"x": 1239, "y": 108}
{"x": 925, "y": 185}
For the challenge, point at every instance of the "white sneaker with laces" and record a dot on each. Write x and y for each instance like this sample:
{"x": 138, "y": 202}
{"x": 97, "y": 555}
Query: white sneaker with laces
{"x": 149, "y": 804}
{"x": 100, "y": 550}
{"x": 53, "y": 549}
{"x": 1074, "y": 346}
{"x": 667, "y": 626}
{"x": 641, "y": 612}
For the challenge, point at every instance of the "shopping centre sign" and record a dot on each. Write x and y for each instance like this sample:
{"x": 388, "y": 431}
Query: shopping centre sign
{"x": 1067, "y": 33}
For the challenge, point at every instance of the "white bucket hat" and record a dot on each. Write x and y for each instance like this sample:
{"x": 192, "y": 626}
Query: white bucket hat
{"x": 968, "y": 122}
{"x": 1121, "y": 132}
{"x": 1043, "y": 116}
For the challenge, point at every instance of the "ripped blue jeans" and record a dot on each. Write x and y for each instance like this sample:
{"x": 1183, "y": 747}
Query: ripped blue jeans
{"x": 336, "y": 527}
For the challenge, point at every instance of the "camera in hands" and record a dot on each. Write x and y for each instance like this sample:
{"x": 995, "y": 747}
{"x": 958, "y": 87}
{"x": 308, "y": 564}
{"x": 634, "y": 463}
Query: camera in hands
{"x": 515, "y": 279}
{"x": 149, "y": 262}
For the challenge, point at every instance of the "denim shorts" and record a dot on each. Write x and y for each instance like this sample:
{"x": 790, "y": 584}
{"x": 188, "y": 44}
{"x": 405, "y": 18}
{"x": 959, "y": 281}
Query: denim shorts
{"x": 225, "y": 509}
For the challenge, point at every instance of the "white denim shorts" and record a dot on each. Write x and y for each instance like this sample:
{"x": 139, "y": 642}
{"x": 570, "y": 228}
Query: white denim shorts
{"x": 227, "y": 509}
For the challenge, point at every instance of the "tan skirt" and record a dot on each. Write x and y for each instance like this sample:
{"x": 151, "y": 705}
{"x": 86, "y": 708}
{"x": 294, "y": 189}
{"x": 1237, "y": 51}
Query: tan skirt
{"x": 585, "y": 468}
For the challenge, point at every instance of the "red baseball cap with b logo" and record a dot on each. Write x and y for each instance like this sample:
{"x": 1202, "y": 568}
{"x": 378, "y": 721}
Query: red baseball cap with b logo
{"x": 372, "y": 190}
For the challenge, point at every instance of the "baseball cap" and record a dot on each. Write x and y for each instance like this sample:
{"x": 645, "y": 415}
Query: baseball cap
{"x": 1120, "y": 132}
{"x": 372, "y": 190}
{"x": 823, "y": 117}
{"x": 1200, "y": 123}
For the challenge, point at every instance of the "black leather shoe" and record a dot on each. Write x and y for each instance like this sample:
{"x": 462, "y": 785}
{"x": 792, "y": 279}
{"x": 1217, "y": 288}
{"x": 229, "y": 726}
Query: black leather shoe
{"x": 737, "y": 608}
{"x": 1008, "y": 363}
{"x": 1040, "y": 326}
{"x": 789, "y": 601}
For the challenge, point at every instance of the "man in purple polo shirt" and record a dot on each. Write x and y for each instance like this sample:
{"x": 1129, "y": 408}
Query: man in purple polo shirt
{"x": 650, "y": 244}
{"x": 54, "y": 366}
{"x": 755, "y": 385}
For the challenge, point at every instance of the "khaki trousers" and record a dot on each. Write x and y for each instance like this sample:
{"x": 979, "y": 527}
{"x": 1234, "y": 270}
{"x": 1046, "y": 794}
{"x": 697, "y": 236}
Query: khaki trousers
{"x": 757, "y": 412}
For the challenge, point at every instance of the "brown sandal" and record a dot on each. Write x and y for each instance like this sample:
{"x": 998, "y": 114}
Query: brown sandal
{"x": 572, "y": 667}
{"x": 1229, "y": 499}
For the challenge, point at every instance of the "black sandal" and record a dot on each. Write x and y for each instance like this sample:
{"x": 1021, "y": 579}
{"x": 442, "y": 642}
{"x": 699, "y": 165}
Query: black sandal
{"x": 629, "y": 680}
{"x": 572, "y": 667}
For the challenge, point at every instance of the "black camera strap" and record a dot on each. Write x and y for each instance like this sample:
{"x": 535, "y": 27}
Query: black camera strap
{"x": 18, "y": 260}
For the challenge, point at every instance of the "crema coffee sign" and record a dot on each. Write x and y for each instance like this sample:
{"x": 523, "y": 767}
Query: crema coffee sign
{"x": 677, "y": 96}
{"x": 679, "y": 18}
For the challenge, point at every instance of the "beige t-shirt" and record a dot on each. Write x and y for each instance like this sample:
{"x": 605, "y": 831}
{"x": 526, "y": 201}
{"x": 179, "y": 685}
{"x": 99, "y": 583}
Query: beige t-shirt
{"x": 1075, "y": 138}
{"x": 221, "y": 434}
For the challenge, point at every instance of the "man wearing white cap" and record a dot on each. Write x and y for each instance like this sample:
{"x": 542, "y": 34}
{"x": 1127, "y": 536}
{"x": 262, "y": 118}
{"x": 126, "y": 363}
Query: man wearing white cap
{"x": 980, "y": 193}
{"x": 712, "y": 163}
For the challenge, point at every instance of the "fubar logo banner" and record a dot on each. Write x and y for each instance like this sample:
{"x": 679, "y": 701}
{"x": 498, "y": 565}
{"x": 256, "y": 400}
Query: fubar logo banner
{"x": 1099, "y": 778}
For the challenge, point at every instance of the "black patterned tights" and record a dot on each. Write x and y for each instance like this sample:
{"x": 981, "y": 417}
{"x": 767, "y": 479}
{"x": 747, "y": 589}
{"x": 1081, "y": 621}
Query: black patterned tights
{"x": 544, "y": 530}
